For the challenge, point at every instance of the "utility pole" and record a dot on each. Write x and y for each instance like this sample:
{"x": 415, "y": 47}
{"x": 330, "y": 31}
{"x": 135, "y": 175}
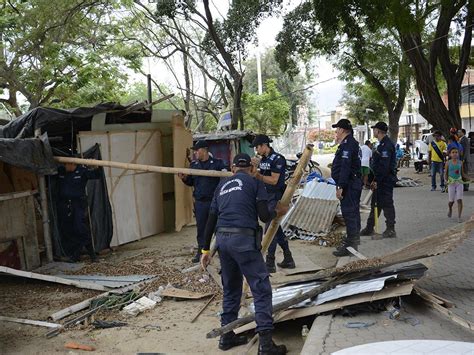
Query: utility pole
{"x": 259, "y": 72}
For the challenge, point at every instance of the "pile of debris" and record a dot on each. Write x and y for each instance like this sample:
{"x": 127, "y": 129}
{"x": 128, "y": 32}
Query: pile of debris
{"x": 130, "y": 287}
{"x": 407, "y": 182}
{"x": 361, "y": 282}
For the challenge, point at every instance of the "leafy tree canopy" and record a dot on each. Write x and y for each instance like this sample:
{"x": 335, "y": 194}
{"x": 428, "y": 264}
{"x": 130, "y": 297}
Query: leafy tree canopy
{"x": 267, "y": 113}
{"x": 360, "y": 96}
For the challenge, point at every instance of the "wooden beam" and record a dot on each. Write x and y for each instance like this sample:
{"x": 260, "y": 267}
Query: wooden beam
{"x": 143, "y": 167}
{"x": 13, "y": 195}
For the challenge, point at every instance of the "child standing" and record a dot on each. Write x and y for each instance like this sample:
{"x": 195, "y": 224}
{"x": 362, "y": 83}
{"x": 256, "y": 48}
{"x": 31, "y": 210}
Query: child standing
{"x": 454, "y": 175}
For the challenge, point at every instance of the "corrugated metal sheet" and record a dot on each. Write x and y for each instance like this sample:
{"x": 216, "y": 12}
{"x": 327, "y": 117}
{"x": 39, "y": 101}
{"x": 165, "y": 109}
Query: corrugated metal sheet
{"x": 315, "y": 209}
{"x": 109, "y": 281}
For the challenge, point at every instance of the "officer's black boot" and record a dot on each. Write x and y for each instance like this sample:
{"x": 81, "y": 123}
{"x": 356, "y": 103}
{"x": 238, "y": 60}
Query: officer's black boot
{"x": 197, "y": 257}
{"x": 348, "y": 242}
{"x": 367, "y": 231}
{"x": 288, "y": 262}
{"x": 229, "y": 340}
{"x": 266, "y": 345}
{"x": 92, "y": 254}
{"x": 389, "y": 233}
{"x": 270, "y": 262}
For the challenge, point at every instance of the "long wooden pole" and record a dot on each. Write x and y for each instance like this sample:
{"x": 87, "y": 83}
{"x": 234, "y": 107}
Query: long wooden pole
{"x": 143, "y": 167}
{"x": 292, "y": 185}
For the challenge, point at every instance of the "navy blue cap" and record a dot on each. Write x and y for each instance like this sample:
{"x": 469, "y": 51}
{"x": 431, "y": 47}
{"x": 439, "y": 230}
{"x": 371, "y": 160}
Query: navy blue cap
{"x": 260, "y": 139}
{"x": 381, "y": 125}
{"x": 200, "y": 144}
{"x": 344, "y": 124}
{"x": 242, "y": 160}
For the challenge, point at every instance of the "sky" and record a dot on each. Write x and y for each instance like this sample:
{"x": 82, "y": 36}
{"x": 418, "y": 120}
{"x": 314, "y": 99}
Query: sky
{"x": 325, "y": 96}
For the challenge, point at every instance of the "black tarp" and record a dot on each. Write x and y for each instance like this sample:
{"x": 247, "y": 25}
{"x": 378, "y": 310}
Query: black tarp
{"x": 99, "y": 207}
{"x": 31, "y": 154}
{"x": 53, "y": 119}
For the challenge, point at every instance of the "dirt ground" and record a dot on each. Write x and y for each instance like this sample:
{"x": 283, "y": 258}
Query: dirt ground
{"x": 164, "y": 329}
{"x": 164, "y": 255}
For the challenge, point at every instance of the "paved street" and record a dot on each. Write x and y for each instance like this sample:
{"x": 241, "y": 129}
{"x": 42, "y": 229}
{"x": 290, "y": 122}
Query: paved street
{"x": 419, "y": 213}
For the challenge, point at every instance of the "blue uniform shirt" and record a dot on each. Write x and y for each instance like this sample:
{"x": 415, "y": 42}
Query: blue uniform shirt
{"x": 72, "y": 185}
{"x": 384, "y": 162}
{"x": 346, "y": 163}
{"x": 235, "y": 201}
{"x": 204, "y": 186}
{"x": 274, "y": 163}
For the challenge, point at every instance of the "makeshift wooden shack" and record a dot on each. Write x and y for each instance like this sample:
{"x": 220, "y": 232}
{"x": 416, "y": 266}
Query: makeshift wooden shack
{"x": 226, "y": 144}
{"x": 124, "y": 206}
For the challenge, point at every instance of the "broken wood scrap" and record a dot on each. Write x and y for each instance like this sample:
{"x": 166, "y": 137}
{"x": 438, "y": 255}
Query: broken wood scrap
{"x": 30, "y": 322}
{"x": 55, "y": 279}
{"x": 390, "y": 291}
{"x": 431, "y": 301}
{"x": 198, "y": 313}
{"x": 325, "y": 286}
{"x": 77, "y": 346}
{"x": 185, "y": 294}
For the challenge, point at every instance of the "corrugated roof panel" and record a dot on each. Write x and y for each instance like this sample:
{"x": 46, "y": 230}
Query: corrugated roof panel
{"x": 315, "y": 209}
{"x": 109, "y": 281}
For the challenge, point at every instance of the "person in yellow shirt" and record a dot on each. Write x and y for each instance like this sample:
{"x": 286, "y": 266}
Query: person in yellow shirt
{"x": 436, "y": 155}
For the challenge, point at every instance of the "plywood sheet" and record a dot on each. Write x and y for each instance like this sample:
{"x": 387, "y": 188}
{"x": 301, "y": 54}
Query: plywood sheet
{"x": 303, "y": 265}
{"x": 179, "y": 293}
{"x": 136, "y": 197}
{"x": 182, "y": 139}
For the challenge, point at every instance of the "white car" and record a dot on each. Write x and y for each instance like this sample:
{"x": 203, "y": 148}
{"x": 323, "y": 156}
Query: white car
{"x": 421, "y": 145}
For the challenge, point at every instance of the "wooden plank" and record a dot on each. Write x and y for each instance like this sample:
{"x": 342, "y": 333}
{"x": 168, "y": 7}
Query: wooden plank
{"x": 180, "y": 293}
{"x": 49, "y": 278}
{"x": 317, "y": 334}
{"x": 445, "y": 312}
{"x": 356, "y": 253}
{"x": 198, "y": 313}
{"x": 387, "y": 292}
{"x": 211, "y": 269}
{"x": 343, "y": 261}
{"x": 30, "y": 322}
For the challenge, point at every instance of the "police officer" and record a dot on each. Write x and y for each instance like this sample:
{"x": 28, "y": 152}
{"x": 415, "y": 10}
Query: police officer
{"x": 346, "y": 174}
{"x": 204, "y": 188}
{"x": 237, "y": 204}
{"x": 71, "y": 207}
{"x": 384, "y": 165}
{"x": 272, "y": 173}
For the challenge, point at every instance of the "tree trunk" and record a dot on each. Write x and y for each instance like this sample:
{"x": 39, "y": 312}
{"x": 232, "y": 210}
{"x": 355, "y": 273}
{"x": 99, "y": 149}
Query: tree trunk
{"x": 237, "y": 117}
{"x": 393, "y": 126}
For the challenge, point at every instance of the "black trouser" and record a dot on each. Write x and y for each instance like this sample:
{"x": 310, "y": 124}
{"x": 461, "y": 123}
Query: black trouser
{"x": 73, "y": 227}
{"x": 350, "y": 208}
{"x": 383, "y": 197}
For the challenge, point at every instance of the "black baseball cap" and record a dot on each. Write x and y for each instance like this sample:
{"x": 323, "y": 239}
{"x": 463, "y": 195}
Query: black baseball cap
{"x": 200, "y": 144}
{"x": 260, "y": 139}
{"x": 343, "y": 123}
{"x": 242, "y": 160}
{"x": 381, "y": 125}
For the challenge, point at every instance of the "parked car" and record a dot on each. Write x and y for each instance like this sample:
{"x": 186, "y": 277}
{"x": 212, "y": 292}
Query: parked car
{"x": 421, "y": 145}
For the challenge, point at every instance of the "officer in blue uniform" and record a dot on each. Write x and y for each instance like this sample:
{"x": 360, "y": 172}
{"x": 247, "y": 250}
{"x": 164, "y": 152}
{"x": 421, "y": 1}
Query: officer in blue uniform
{"x": 72, "y": 206}
{"x": 204, "y": 188}
{"x": 384, "y": 167}
{"x": 237, "y": 204}
{"x": 346, "y": 173}
{"x": 272, "y": 173}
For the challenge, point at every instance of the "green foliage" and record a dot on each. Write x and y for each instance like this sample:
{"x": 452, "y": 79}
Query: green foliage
{"x": 292, "y": 89}
{"x": 359, "y": 97}
{"x": 62, "y": 52}
{"x": 267, "y": 113}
